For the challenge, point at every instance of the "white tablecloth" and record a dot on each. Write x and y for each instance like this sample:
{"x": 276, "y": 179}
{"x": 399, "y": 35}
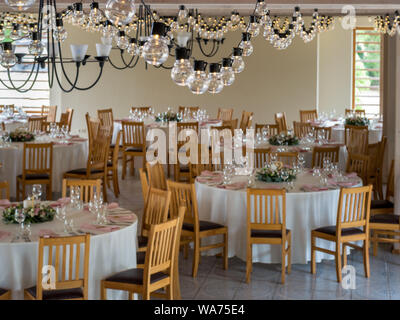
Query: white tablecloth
{"x": 65, "y": 158}
{"x": 12, "y": 125}
{"x": 305, "y": 211}
{"x": 109, "y": 253}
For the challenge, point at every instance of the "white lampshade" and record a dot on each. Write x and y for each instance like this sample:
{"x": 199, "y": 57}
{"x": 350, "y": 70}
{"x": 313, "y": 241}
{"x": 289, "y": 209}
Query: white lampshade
{"x": 78, "y": 51}
{"x": 103, "y": 50}
{"x": 182, "y": 37}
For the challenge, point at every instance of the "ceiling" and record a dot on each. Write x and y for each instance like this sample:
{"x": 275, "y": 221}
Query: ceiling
{"x": 245, "y": 7}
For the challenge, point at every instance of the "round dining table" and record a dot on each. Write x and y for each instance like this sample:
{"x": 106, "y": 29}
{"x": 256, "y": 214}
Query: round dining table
{"x": 68, "y": 155}
{"x": 309, "y": 205}
{"x": 112, "y": 249}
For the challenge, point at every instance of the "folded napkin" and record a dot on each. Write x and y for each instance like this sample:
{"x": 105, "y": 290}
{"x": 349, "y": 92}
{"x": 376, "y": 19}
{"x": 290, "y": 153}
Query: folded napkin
{"x": 351, "y": 175}
{"x": 344, "y": 184}
{"x": 62, "y": 144}
{"x": 102, "y": 229}
{"x": 113, "y": 205}
{"x": 4, "y": 235}
{"x": 78, "y": 139}
{"x": 209, "y": 179}
{"x": 47, "y": 233}
{"x": 312, "y": 188}
{"x": 5, "y": 203}
{"x": 60, "y": 202}
{"x": 233, "y": 186}
{"x": 122, "y": 218}
{"x": 207, "y": 173}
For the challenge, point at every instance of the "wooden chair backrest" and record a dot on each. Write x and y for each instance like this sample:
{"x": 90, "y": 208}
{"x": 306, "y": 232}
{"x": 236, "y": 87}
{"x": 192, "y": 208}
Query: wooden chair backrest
{"x": 358, "y": 163}
{"x": 115, "y": 152}
{"x": 261, "y": 156}
{"x": 63, "y": 120}
{"x": 184, "y": 195}
{"x": 144, "y": 182}
{"x": 37, "y": 159}
{"x": 225, "y": 114}
{"x": 356, "y": 138}
{"x": 93, "y": 126}
{"x": 232, "y": 123}
{"x": 68, "y": 266}
{"x": 287, "y": 158}
{"x": 37, "y": 123}
{"x": 326, "y": 130}
{"x": 308, "y": 115}
{"x": 106, "y": 118}
{"x": 156, "y": 176}
{"x": 4, "y": 190}
{"x": 70, "y": 114}
{"x": 319, "y": 153}
{"x": 354, "y": 208}
{"x": 280, "y": 120}
{"x": 358, "y": 112}
{"x": 87, "y": 188}
{"x": 98, "y": 153}
{"x": 192, "y": 110}
{"x": 133, "y": 134}
{"x": 156, "y": 208}
{"x": 273, "y": 129}
{"x": 245, "y": 122}
{"x": 50, "y": 113}
{"x": 301, "y": 129}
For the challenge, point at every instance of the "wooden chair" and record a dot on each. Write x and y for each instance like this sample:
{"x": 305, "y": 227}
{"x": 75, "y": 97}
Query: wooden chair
{"x": 71, "y": 287}
{"x": 5, "y": 294}
{"x": 261, "y": 156}
{"x": 319, "y": 153}
{"x": 37, "y": 168}
{"x": 11, "y": 106}
{"x": 358, "y": 112}
{"x": 50, "y": 112}
{"x": 70, "y": 114}
{"x": 192, "y": 110}
{"x": 327, "y": 131}
{"x": 159, "y": 267}
{"x": 376, "y": 151}
{"x": 231, "y": 123}
{"x": 287, "y": 158}
{"x": 301, "y": 129}
{"x": 156, "y": 176}
{"x": 385, "y": 206}
{"x": 144, "y": 183}
{"x": 93, "y": 127}
{"x": 87, "y": 188}
{"x": 63, "y": 120}
{"x": 184, "y": 194}
{"x": 182, "y": 171}
{"x": 225, "y": 114}
{"x": 4, "y": 190}
{"x": 112, "y": 165}
{"x": 266, "y": 224}
{"x": 106, "y": 118}
{"x": 272, "y": 129}
{"x": 141, "y": 109}
{"x": 96, "y": 167}
{"x": 308, "y": 115}
{"x": 358, "y": 163}
{"x": 350, "y": 218}
{"x": 36, "y": 124}
{"x": 133, "y": 144}
{"x": 245, "y": 122}
{"x": 356, "y": 138}
{"x": 280, "y": 120}
{"x": 154, "y": 212}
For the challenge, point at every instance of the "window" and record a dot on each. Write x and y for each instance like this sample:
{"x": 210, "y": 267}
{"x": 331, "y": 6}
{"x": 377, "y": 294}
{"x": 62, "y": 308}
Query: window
{"x": 367, "y": 58}
{"x": 39, "y": 94}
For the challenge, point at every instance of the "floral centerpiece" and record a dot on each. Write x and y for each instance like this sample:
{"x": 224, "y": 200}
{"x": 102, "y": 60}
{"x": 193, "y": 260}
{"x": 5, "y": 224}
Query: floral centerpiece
{"x": 284, "y": 139}
{"x": 169, "y": 116}
{"x": 276, "y": 172}
{"x": 37, "y": 214}
{"x": 21, "y": 135}
{"x": 357, "y": 121}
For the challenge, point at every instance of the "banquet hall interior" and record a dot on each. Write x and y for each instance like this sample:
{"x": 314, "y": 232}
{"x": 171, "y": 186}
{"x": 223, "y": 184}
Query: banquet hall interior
{"x": 200, "y": 150}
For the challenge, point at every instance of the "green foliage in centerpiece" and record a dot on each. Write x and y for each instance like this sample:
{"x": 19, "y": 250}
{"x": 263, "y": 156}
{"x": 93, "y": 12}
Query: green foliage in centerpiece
{"x": 284, "y": 139}
{"x": 357, "y": 121}
{"x": 169, "y": 116}
{"x": 273, "y": 173}
{"x": 21, "y": 136}
{"x": 37, "y": 214}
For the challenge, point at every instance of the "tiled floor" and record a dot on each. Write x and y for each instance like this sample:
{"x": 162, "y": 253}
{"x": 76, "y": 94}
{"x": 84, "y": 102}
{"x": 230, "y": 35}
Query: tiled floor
{"x": 214, "y": 283}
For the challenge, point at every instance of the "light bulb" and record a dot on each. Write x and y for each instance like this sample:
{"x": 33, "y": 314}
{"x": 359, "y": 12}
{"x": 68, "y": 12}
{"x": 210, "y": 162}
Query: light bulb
{"x": 216, "y": 83}
{"x": 254, "y": 27}
{"x": 261, "y": 7}
{"x": 8, "y": 58}
{"x": 20, "y": 5}
{"x": 120, "y": 12}
{"x": 182, "y": 69}
{"x": 78, "y": 17}
{"x": 133, "y": 48}
{"x": 235, "y": 18}
{"x": 246, "y": 45}
{"x": 155, "y": 50}
{"x": 227, "y": 74}
{"x": 183, "y": 13}
{"x": 123, "y": 41}
{"x": 95, "y": 14}
{"x": 35, "y": 46}
{"x": 237, "y": 60}
{"x": 59, "y": 34}
{"x": 199, "y": 80}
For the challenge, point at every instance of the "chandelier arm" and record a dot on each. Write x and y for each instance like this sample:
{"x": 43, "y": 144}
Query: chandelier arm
{"x": 127, "y": 65}
{"x": 115, "y": 66}
{"x": 13, "y": 87}
{"x": 208, "y": 55}
{"x": 94, "y": 83}
{"x": 24, "y": 90}
{"x": 59, "y": 81}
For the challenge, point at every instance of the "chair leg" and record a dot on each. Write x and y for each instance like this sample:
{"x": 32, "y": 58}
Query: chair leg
{"x": 103, "y": 293}
{"x": 338, "y": 260}
{"x": 289, "y": 253}
{"x": 283, "y": 255}
{"x": 123, "y": 166}
{"x": 130, "y": 295}
{"x": 313, "y": 264}
{"x": 344, "y": 249}
{"x": 226, "y": 251}
{"x": 23, "y": 190}
{"x": 132, "y": 166}
{"x": 48, "y": 191}
{"x": 170, "y": 291}
{"x": 115, "y": 183}
{"x": 249, "y": 262}
{"x": 146, "y": 295}
{"x": 105, "y": 188}
{"x": 196, "y": 257}
{"x": 366, "y": 258}
{"x": 374, "y": 243}
{"x": 17, "y": 193}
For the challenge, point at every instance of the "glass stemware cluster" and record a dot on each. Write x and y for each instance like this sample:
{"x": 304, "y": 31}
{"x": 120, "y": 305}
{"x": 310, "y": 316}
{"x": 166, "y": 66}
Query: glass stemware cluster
{"x": 140, "y": 116}
{"x": 99, "y": 208}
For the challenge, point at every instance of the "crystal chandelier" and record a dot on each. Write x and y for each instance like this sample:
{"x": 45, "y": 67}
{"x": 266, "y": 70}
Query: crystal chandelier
{"x": 387, "y": 24}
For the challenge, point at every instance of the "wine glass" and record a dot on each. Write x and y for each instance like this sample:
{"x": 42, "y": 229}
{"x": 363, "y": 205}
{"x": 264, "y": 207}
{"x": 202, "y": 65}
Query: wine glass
{"x": 19, "y": 217}
{"x": 273, "y": 157}
{"x": 301, "y": 161}
{"x": 37, "y": 191}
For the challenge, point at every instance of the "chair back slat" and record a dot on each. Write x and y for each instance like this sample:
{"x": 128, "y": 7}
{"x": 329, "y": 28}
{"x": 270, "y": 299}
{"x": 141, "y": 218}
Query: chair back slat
{"x": 390, "y": 183}
{"x": 246, "y": 121}
{"x": 225, "y": 114}
{"x": 261, "y": 156}
{"x": 87, "y": 188}
{"x": 358, "y": 163}
{"x": 308, "y": 115}
{"x": 356, "y": 138}
{"x": 70, "y": 114}
{"x": 319, "y": 153}
{"x": 184, "y": 195}
{"x": 133, "y": 134}
{"x": 144, "y": 182}
{"x": 106, "y": 118}
{"x": 36, "y": 124}
{"x": 301, "y": 129}
{"x": 156, "y": 176}
{"x": 280, "y": 120}
{"x": 37, "y": 158}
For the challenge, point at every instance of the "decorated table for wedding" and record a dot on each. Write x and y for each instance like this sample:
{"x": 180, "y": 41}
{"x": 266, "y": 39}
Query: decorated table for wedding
{"x": 112, "y": 248}
{"x": 309, "y": 205}
{"x": 67, "y": 155}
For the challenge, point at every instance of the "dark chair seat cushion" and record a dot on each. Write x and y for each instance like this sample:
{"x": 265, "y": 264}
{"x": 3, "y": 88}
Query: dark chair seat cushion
{"x": 134, "y": 149}
{"x": 2, "y": 291}
{"x": 267, "y": 233}
{"x": 62, "y": 294}
{"x": 140, "y": 257}
{"x": 83, "y": 171}
{"x": 142, "y": 241}
{"x": 203, "y": 226}
{"x": 382, "y": 204}
{"x": 385, "y": 218}
{"x": 135, "y": 276}
{"x": 331, "y": 230}
{"x": 184, "y": 169}
{"x": 42, "y": 176}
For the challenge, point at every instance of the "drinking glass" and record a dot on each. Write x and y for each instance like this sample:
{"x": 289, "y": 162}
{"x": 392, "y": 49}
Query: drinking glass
{"x": 19, "y": 217}
{"x": 301, "y": 161}
{"x": 273, "y": 157}
{"x": 37, "y": 191}
{"x": 316, "y": 172}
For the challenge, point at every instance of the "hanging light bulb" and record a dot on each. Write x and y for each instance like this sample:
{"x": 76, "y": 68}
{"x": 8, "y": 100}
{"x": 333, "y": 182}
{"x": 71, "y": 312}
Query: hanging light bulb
{"x": 78, "y": 17}
{"x": 23, "y": 30}
{"x": 155, "y": 50}
{"x": 246, "y": 45}
{"x": 133, "y": 48}
{"x": 60, "y": 34}
{"x": 95, "y": 14}
{"x": 237, "y": 60}
{"x": 227, "y": 74}
{"x": 8, "y": 58}
{"x": 216, "y": 83}
{"x": 35, "y": 46}
{"x": 20, "y": 5}
{"x": 120, "y": 12}
{"x": 108, "y": 31}
{"x": 254, "y": 27}
{"x": 14, "y": 35}
{"x": 123, "y": 41}
{"x": 182, "y": 69}
{"x": 182, "y": 13}
{"x": 199, "y": 80}
{"x": 235, "y": 17}
{"x": 261, "y": 8}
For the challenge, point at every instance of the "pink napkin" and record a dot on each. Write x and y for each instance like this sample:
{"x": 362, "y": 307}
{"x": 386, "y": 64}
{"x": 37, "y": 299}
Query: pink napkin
{"x": 207, "y": 173}
{"x": 233, "y": 186}
{"x": 312, "y": 188}
{"x": 113, "y": 205}
{"x": 63, "y": 144}
{"x": 209, "y": 179}
{"x": 5, "y": 203}
{"x": 77, "y": 139}
{"x": 60, "y": 202}
{"x": 351, "y": 175}
{"x": 47, "y": 233}
{"x": 346, "y": 184}
{"x": 123, "y": 218}
{"x": 102, "y": 229}
{"x": 4, "y": 235}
